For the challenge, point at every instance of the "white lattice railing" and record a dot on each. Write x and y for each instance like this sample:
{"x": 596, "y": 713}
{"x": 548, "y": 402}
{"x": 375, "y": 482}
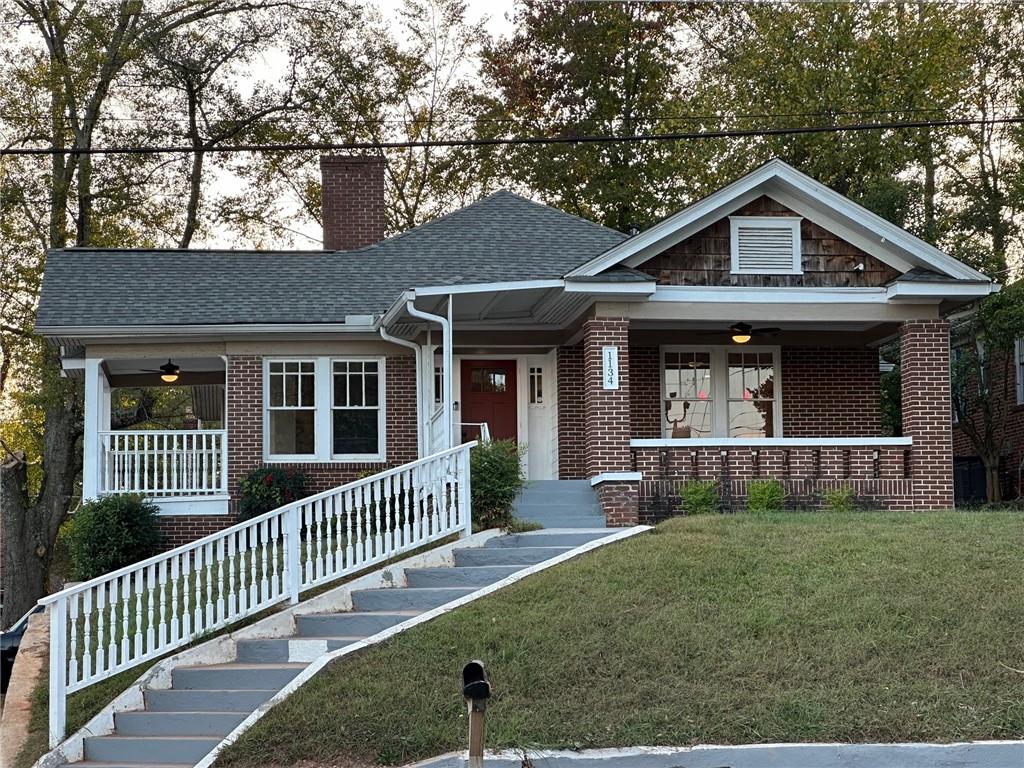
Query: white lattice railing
{"x": 164, "y": 463}
{"x": 143, "y": 611}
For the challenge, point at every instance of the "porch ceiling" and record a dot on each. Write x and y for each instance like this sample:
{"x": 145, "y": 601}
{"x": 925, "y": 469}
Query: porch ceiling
{"x": 143, "y": 371}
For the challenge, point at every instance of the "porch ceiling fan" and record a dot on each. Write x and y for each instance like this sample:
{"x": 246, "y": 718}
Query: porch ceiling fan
{"x": 168, "y": 371}
{"x": 743, "y": 332}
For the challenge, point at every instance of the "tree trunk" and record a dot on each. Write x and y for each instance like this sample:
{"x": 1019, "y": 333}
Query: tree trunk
{"x": 23, "y": 580}
{"x": 993, "y": 481}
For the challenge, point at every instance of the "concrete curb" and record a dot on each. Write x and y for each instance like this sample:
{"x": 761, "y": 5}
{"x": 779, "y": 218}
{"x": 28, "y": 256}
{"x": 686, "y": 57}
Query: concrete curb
{"x": 422, "y": 618}
{"x": 29, "y": 668}
{"x": 975, "y": 754}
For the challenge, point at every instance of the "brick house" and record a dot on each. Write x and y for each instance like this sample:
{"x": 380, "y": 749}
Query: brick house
{"x": 736, "y": 339}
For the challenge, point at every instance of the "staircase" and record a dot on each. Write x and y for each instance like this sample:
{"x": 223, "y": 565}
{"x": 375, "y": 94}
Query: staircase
{"x": 182, "y": 724}
{"x": 560, "y": 504}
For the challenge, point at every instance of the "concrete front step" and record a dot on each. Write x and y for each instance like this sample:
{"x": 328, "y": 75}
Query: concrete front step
{"x": 176, "y": 723}
{"x": 405, "y": 599}
{"x": 522, "y": 556}
{"x": 235, "y": 677}
{"x": 547, "y": 538}
{"x": 565, "y": 521}
{"x": 349, "y": 624}
{"x": 280, "y": 649}
{"x": 101, "y": 764}
{"x": 206, "y": 701}
{"x": 556, "y": 507}
{"x": 465, "y": 576}
{"x": 149, "y": 749}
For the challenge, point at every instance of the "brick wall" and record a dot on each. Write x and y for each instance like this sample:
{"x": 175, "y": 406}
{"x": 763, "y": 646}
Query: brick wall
{"x": 245, "y": 424}
{"x": 572, "y": 463}
{"x": 924, "y": 366}
{"x": 606, "y": 427}
{"x": 177, "y": 530}
{"x": 830, "y": 392}
{"x": 878, "y": 475}
{"x": 645, "y": 391}
{"x": 352, "y": 201}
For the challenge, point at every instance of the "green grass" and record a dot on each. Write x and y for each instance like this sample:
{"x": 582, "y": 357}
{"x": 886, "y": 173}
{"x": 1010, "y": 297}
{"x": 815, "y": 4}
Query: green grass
{"x": 847, "y": 627}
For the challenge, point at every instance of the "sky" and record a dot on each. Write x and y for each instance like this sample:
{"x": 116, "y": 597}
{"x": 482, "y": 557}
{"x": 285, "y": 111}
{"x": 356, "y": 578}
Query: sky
{"x": 494, "y": 10}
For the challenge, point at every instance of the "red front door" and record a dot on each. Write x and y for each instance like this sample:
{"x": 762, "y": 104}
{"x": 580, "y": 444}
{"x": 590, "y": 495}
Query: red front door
{"x": 489, "y": 396}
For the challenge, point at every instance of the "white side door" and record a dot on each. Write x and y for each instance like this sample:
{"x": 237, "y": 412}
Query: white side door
{"x": 541, "y": 408}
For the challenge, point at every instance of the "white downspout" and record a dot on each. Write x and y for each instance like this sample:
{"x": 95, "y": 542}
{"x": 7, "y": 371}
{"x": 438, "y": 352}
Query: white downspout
{"x": 421, "y": 450}
{"x": 446, "y": 342}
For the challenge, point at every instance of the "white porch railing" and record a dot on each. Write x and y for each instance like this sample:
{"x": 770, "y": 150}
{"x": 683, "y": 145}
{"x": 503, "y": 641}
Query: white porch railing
{"x": 437, "y": 431}
{"x": 143, "y": 611}
{"x": 483, "y": 431}
{"x": 164, "y": 463}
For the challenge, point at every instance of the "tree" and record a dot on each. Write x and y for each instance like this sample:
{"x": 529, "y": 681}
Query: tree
{"x": 574, "y": 69}
{"x": 983, "y": 379}
{"x": 66, "y": 67}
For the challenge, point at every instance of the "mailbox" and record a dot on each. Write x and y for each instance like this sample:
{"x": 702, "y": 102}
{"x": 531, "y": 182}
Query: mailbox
{"x": 474, "y": 681}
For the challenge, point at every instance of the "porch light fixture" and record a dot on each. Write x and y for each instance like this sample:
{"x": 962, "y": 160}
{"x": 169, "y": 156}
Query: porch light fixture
{"x": 169, "y": 372}
{"x": 741, "y": 333}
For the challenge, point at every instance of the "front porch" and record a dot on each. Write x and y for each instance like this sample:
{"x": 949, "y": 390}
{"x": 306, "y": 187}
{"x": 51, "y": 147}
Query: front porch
{"x": 178, "y": 458}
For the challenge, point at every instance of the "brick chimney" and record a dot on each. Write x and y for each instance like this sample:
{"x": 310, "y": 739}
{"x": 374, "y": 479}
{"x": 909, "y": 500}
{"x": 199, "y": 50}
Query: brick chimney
{"x": 352, "y": 201}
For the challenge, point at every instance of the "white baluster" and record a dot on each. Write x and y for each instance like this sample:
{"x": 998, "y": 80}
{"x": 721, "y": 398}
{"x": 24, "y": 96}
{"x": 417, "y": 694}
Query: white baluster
{"x": 349, "y": 500}
{"x": 264, "y": 532}
{"x": 210, "y": 620}
{"x": 87, "y": 671}
{"x": 307, "y": 526}
{"x": 221, "y": 618}
{"x": 139, "y": 588}
{"x": 378, "y": 530}
{"x": 162, "y": 567}
{"x": 126, "y": 596}
{"x": 254, "y": 599}
{"x": 186, "y": 593}
{"x": 101, "y": 620}
{"x": 232, "y": 564}
{"x": 73, "y": 639}
{"x": 177, "y": 577}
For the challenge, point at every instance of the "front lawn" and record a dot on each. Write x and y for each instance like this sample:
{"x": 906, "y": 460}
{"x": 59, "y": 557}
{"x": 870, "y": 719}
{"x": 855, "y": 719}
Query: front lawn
{"x": 720, "y": 629}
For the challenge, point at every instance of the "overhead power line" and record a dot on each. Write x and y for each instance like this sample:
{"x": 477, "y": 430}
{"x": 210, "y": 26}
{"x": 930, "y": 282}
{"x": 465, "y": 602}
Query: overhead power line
{"x": 515, "y": 141}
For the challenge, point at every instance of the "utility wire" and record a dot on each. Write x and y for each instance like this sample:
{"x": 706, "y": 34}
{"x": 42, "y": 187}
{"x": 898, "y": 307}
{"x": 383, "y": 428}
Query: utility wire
{"x": 515, "y": 141}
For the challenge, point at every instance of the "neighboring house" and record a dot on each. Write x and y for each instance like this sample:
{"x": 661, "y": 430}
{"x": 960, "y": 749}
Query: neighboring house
{"x": 613, "y": 358}
{"x": 969, "y": 471}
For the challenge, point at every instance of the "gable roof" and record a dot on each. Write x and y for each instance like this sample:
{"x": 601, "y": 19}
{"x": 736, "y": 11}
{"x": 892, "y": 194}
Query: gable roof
{"x": 502, "y": 237}
{"x": 807, "y": 197}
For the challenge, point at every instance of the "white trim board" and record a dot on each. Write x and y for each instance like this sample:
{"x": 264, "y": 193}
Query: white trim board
{"x": 309, "y": 672}
{"x": 772, "y": 442}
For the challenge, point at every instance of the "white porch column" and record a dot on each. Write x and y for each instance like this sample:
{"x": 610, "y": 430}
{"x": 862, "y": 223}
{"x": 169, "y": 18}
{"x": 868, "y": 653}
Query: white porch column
{"x": 96, "y": 419}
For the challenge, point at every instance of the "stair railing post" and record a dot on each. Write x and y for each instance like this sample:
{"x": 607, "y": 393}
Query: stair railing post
{"x": 465, "y": 495}
{"x": 292, "y": 554}
{"x": 58, "y": 670}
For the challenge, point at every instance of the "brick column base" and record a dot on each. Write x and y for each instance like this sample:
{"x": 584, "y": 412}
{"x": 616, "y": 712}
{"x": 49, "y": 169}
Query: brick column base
{"x": 620, "y": 502}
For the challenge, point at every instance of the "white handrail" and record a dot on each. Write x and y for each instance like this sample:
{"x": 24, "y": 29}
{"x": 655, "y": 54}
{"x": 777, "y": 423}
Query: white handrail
{"x": 142, "y": 611}
{"x": 485, "y": 431}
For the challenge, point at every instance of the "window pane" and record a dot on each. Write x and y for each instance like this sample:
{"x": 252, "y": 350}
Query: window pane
{"x": 276, "y": 388}
{"x": 306, "y": 367}
{"x": 751, "y": 418}
{"x": 688, "y": 418}
{"x": 355, "y": 389}
{"x": 355, "y": 431}
{"x": 308, "y": 398}
{"x": 291, "y": 390}
{"x": 276, "y": 367}
{"x": 292, "y": 432}
{"x": 372, "y": 395}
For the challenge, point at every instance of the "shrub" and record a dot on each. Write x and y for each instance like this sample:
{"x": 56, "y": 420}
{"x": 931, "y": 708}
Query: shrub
{"x": 109, "y": 533}
{"x": 496, "y": 479}
{"x": 268, "y": 487}
{"x": 841, "y": 499}
{"x": 701, "y": 497}
{"x": 765, "y": 496}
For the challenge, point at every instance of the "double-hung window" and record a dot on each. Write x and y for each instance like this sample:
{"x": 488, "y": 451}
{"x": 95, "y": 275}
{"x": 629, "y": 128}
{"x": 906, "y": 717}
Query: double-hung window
{"x": 324, "y": 409}
{"x": 720, "y": 392}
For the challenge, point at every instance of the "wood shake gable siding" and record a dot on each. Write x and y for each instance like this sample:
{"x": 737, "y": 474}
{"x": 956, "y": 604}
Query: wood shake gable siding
{"x": 827, "y": 260}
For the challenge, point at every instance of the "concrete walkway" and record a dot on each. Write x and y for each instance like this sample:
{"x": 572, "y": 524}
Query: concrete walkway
{"x": 987, "y": 754}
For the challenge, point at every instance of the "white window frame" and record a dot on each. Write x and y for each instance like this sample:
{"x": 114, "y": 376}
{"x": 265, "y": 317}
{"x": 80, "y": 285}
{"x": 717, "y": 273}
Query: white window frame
{"x": 381, "y": 410}
{"x": 323, "y": 367}
{"x": 720, "y": 385}
{"x": 791, "y": 223}
{"x": 1018, "y": 361}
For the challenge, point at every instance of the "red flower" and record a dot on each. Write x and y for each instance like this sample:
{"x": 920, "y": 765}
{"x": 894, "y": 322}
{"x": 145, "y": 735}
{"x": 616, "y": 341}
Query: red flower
{"x": 287, "y": 495}
{"x": 269, "y": 479}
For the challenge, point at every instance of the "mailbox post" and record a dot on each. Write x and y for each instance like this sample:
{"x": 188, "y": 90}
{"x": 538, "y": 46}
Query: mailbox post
{"x": 476, "y": 690}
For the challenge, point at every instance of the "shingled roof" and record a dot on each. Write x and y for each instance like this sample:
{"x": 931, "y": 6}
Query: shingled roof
{"x": 503, "y": 237}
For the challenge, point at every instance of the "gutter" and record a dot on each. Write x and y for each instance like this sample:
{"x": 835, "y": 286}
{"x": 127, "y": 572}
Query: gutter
{"x": 446, "y": 342}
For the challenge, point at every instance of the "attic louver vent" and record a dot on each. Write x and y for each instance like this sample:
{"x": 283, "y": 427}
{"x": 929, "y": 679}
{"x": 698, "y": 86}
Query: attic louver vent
{"x": 765, "y": 245}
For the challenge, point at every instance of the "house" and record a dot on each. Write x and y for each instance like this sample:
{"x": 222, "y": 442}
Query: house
{"x": 736, "y": 339}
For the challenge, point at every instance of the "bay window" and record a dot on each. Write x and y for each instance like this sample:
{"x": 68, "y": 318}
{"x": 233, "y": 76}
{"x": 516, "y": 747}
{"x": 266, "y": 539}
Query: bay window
{"x": 727, "y": 392}
{"x": 324, "y": 409}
